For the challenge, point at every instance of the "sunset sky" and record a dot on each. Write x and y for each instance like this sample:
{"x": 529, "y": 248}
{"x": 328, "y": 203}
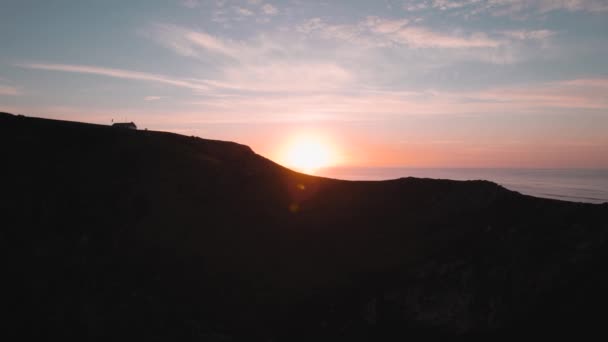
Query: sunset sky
{"x": 417, "y": 83}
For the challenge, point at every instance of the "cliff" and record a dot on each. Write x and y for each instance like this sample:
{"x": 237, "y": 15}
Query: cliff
{"x": 148, "y": 235}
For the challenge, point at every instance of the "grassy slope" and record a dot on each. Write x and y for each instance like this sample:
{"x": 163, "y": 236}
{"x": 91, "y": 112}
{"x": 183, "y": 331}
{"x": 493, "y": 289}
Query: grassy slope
{"x": 116, "y": 233}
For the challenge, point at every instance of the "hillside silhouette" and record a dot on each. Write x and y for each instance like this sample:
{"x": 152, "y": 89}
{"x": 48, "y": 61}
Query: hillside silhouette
{"x": 111, "y": 233}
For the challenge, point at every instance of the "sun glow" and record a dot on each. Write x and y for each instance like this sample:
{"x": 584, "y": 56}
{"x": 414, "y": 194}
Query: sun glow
{"x": 308, "y": 154}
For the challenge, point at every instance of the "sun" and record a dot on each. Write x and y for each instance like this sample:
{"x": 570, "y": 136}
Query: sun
{"x": 308, "y": 155}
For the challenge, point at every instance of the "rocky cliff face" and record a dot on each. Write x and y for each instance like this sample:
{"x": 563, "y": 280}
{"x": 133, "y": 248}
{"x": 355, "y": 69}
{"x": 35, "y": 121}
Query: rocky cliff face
{"x": 152, "y": 235}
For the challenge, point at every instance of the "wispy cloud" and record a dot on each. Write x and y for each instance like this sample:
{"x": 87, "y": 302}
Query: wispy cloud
{"x": 286, "y": 77}
{"x": 372, "y": 105}
{"x": 507, "y": 7}
{"x": 190, "y": 3}
{"x": 569, "y": 94}
{"x": 269, "y": 9}
{"x": 263, "y": 63}
{"x": 598, "y": 83}
{"x": 7, "y": 90}
{"x": 190, "y": 43}
{"x": 440, "y": 47}
{"x": 572, "y": 5}
{"x": 210, "y": 43}
{"x": 421, "y": 37}
{"x": 384, "y": 26}
{"x": 229, "y": 13}
{"x": 377, "y": 31}
{"x": 529, "y": 34}
{"x": 291, "y": 105}
{"x": 290, "y": 62}
{"x": 242, "y": 11}
{"x": 414, "y": 5}
{"x": 152, "y": 98}
{"x": 116, "y": 73}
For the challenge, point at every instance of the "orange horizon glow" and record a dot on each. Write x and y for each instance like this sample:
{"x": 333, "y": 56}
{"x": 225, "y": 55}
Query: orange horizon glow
{"x": 312, "y": 154}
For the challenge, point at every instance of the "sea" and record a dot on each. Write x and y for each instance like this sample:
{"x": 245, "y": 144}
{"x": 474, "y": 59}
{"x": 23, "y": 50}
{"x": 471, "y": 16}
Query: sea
{"x": 576, "y": 185}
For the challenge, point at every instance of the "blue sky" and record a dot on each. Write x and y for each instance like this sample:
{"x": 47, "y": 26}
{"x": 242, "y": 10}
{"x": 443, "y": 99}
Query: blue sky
{"x": 394, "y": 83}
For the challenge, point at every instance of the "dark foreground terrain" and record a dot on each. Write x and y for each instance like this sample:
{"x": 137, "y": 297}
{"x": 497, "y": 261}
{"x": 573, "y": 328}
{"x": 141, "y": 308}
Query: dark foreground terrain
{"x": 111, "y": 234}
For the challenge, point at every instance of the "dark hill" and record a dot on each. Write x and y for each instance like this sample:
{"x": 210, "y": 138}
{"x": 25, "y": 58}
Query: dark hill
{"x": 118, "y": 234}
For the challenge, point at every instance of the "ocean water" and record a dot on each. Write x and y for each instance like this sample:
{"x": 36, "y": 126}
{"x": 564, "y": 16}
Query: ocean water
{"x": 577, "y": 185}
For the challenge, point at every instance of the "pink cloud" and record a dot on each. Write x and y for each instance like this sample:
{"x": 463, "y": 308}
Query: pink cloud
{"x": 152, "y": 98}
{"x": 586, "y": 83}
{"x": 421, "y": 37}
{"x": 574, "y": 94}
{"x": 6, "y": 90}
{"x": 192, "y": 43}
{"x": 287, "y": 77}
{"x": 369, "y": 105}
{"x": 210, "y": 43}
{"x": 187, "y": 42}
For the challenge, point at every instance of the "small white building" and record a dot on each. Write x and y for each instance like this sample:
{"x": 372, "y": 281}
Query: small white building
{"x": 125, "y": 125}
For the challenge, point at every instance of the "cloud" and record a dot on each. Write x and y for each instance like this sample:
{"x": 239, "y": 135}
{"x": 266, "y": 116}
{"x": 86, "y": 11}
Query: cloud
{"x": 190, "y": 3}
{"x": 282, "y": 67}
{"x": 372, "y": 105}
{"x": 452, "y": 4}
{"x": 421, "y": 37}
{"x": 573, "y": 5}
{"x": 529, "y": 35}
{"x": 433, "y": 48}
{"x": 413, "y": 6}
{"x": 380, "y": 32}
{"x": 263, "y": 63}
{"x": 569, "y": 94}
{"x": 152, "y": 98}
{"x": 259, "y": 49}
{"x": 258, "y": 65}
{"x": 513, "y": 8}
{"x": 6, "y": 90}
{"x": 311, "y": 25}
{"x": 210, "y": 43}
{"x": 269, "y": 9}
{"x": 380, "y": 25}
{"x": 242, "y": 11}
{"x": 192, "y": 43}
{"x": 280, "y": 62}
{"x": 355, "y": 34}
{"x": 291, "y": 105}
{"x": 117, "y": 73}
{"x": 586, "y": 83}
{"x": 286, "y": 77}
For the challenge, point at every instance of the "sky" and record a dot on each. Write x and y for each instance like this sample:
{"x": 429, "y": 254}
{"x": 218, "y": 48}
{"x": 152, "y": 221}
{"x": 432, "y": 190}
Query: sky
{"x": 413, "y": 83}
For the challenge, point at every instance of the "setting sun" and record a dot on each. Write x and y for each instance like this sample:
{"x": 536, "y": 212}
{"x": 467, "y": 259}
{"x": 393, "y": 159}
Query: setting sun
{"x": 308, "y": 155}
